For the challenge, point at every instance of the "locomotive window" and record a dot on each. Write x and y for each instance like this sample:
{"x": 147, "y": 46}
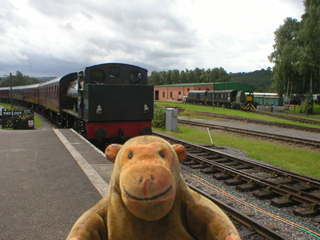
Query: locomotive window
{"x": 114, "y": 72}
{"x": 97, "y": 75}
{"x": 135, "y": 77}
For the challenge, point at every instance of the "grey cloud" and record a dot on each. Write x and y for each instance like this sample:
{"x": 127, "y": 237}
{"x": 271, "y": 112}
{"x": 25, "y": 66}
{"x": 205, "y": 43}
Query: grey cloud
{"x": 152, "y": 34}
{"x": 56, "y": 8}
{"x": 8, "y": 19}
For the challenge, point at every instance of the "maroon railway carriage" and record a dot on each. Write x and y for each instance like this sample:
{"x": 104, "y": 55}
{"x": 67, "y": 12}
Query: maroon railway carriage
{"x": 108, "y": 102}
{"x": 53, "y": 97}
{"x": 30, "y": 94}
{"x": 4, "y": 94}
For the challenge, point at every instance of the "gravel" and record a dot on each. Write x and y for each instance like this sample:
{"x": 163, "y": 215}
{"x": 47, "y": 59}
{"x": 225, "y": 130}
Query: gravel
{"x": 287, "y": 224}
{"x": 46, "y": 124}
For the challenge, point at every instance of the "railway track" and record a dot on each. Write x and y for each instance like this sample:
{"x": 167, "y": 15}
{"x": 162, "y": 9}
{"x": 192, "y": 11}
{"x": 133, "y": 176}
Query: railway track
{"x": 266, "y": 181}
{"x": 249, "y": 228}
{"x": 288, "y": 139}
{"x": 262, "y": 122}
{"x": 290, "y": 118}
{"x": 284, "y": 188}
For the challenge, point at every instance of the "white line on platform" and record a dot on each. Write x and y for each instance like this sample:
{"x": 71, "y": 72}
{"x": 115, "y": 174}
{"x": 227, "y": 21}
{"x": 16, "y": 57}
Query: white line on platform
{"x": 93, "y": 176}
{"x": 91, "y": 145}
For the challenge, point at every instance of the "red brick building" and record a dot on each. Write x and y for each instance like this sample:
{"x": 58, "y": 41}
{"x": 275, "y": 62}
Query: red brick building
{"x": 178, "y": 91}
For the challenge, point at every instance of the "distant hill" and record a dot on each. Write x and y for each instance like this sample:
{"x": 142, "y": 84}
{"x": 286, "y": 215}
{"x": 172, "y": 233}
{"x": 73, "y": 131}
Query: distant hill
{"x": 259, "y": 79}
{"x": 45, "y": 79}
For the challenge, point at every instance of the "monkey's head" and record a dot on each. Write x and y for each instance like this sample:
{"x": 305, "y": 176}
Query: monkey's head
{"x": 147, "y": 174}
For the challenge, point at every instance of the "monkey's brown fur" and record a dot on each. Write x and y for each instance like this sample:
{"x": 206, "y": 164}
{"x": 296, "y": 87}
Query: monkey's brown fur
{"x": 149, "y": 199}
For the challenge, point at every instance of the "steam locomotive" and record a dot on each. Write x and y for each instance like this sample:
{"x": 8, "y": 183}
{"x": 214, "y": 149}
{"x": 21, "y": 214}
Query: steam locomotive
{"x": 108, "y": 102}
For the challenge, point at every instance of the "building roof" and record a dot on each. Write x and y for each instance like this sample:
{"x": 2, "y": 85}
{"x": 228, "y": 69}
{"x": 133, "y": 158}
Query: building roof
{"x": 184, "y": 85}
{"x": 217, "y": 86}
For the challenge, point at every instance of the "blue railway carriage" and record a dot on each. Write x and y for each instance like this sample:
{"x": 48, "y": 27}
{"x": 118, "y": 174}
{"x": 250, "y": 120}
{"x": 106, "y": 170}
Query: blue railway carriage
{"x": 224, "y": 98}
{"x": 197, "y": 97}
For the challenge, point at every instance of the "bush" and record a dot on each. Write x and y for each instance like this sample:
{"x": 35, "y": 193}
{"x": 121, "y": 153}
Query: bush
{"x": 159, "y": 116}
{"x": 306, "y": 105}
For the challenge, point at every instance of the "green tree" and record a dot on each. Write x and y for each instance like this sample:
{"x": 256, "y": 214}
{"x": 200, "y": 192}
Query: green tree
{"x": 183, "y": 77}
{"x": 154, "y": 79}
{"x": 286, "y": 57}
{"x": 297, "y": 53}
{"x": 309, "y": 36}
{"x": 175, "y": 76}
{"x": 18, "y": 80}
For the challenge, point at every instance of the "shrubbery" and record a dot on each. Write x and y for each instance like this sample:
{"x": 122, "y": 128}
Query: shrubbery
{"x": 159, "y": 116}
{"x": 307, "y": 106}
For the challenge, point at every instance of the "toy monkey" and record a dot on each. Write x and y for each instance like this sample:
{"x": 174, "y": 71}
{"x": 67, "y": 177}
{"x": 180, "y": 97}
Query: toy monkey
{"x": 149, "y": 199}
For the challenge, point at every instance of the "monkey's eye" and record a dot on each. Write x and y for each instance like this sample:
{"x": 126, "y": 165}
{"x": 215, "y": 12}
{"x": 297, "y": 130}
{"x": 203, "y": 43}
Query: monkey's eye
{"x": 161, "y": 154}
{"x": 130, "y": 155}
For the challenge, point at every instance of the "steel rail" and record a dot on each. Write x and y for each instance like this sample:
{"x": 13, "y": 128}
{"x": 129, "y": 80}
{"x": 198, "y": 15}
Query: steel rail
{"x": 295, "y": 140}
{"x": 263, "y": 122}
{"x": 283, "y": 190}
{"x": 276, "y": 171}
{"x": 240, "y": 217}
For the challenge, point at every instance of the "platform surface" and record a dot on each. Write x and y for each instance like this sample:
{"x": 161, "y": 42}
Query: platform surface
{"x": 43, "y": 188}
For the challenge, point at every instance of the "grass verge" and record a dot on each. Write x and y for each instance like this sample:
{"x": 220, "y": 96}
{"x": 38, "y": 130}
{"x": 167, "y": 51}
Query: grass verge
{"x": 300, "y": 161}
{"x": 226, "y": 111}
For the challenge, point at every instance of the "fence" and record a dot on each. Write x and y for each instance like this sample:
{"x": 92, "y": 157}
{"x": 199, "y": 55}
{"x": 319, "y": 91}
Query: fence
{"x": 17, "y": 119}
{"x": 265, "y": 108}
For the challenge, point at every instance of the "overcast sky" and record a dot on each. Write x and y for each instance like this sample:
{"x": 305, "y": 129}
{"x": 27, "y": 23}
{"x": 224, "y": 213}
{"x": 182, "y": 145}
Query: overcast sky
{"x": 56, "y": 37}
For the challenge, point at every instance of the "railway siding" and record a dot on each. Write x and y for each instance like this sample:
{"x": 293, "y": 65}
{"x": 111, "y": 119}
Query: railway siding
{"x": 261, "y": 122}
{"x": 259, "y": 128}
{"x": 244, "y": 183}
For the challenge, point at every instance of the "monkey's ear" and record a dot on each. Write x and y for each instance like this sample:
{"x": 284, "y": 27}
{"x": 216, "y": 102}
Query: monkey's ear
{"x": 112, "y": 151}
{"x": 180, "y": 151}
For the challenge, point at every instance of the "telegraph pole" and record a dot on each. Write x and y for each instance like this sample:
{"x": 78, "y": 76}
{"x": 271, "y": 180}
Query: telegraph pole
{"x": 214, "y": 91}
{"x": 11, "y": 91}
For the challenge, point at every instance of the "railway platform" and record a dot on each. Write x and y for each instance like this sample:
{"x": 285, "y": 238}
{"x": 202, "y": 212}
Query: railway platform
{"x": 48, "y": 179}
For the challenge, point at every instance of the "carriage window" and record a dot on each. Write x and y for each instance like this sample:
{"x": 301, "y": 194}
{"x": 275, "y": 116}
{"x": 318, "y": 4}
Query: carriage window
{"x": 55, "y": 92}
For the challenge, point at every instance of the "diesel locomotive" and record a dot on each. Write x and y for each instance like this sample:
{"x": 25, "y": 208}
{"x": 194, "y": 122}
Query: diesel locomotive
{"x": 224, "y": 98}
{"x": 108, "y": 102}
